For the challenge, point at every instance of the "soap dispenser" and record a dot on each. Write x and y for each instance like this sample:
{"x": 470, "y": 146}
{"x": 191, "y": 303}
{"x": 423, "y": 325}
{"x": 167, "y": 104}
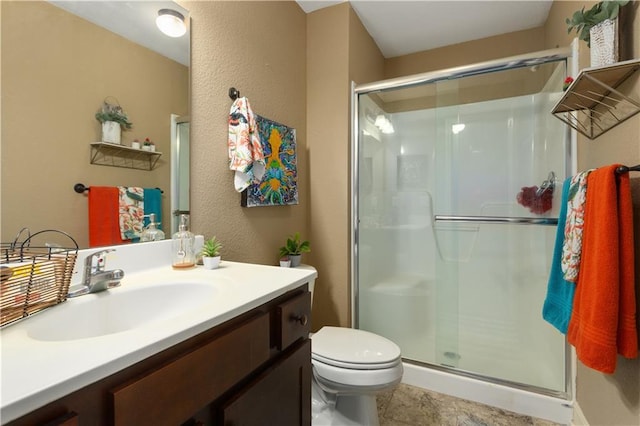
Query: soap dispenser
{"x": 184, "y": 255}
{"x": 151, "y": 232}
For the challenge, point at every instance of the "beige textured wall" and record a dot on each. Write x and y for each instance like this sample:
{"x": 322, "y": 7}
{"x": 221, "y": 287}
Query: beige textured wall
{"x": 470, "y": 52}
{"x": 332, "y": 65}
{"x": 328, "y": 124}
{"x": 608, "y": 399}
{"x": 56, "y": 71}
{"x": 259, "y": 48}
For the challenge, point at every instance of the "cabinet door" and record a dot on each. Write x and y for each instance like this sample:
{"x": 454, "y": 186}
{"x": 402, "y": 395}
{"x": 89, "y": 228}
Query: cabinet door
{"x": 280, "y": 396}
{"x": 172, "y": 393}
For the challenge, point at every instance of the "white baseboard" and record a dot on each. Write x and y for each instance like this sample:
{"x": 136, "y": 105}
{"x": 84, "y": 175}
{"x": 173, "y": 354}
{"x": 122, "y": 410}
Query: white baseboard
{"x": 578, "y": 416}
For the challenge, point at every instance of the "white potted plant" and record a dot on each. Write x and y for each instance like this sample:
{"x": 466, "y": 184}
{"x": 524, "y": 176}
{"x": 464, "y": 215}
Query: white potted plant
{"x": 148, "y": 145}
{"x": 113, "y": 120}
{"x": 294, "y": 248}
{"x": 211, "y": 253}
{"x": 598, "y": 27}
{"x": 285, "y": 262}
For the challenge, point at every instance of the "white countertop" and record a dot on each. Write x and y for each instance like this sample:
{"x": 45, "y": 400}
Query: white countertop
{"x": 36, "y": 372}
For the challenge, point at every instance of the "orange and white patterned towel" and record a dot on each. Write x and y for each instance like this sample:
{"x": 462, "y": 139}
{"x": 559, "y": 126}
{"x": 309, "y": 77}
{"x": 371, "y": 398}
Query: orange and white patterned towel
{"x": 131, "y": 211}
{"x": 246, "y": 156}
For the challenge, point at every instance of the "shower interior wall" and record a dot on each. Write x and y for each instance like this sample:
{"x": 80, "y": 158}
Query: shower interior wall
{"x": 463, "y": 296}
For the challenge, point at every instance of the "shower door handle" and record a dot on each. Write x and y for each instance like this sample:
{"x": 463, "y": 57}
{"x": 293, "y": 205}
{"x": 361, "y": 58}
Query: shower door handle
{"x": 498, "y": 220}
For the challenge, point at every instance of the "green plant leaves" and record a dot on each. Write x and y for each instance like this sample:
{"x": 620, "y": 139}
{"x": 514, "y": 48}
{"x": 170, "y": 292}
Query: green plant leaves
{"x": 583, "y": 20}
{"x": 211, "y": 247}
{"x": 294, "y": 246}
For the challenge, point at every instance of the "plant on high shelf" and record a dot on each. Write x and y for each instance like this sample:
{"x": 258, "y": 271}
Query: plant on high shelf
{"x": 211, "y": 253}
{"x": 294, "y": 248}
{"x": 148, "y": 145}
{"x": 598, "y": 27}
{"x": 114, "y": 120}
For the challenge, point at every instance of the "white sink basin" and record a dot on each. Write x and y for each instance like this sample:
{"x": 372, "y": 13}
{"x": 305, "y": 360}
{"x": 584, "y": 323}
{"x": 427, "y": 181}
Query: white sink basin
{"x": 117, "y": 310}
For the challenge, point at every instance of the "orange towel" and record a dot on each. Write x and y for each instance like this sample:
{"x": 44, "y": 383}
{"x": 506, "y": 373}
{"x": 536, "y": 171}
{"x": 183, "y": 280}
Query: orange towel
{"x": 104, "y": 217}
{"x": 603, "y": 322}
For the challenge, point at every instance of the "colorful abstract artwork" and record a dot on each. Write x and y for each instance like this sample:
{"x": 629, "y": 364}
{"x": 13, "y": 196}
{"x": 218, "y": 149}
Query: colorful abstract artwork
{"x": 278, "y": 186}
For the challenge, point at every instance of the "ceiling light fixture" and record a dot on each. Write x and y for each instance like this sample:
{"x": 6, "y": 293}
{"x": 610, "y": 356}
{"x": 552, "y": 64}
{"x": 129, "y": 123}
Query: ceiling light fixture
{"x": 171, "y": 22}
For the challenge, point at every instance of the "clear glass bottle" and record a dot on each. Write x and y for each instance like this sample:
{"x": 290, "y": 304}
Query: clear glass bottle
{"x": 151, "y": 232}
{"x": 184, "y": 255}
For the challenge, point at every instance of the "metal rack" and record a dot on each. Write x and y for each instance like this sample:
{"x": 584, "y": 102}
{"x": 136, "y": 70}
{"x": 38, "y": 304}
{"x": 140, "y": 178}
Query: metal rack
{"x": 108, "y": 154}
{"x": 592, "y": 105}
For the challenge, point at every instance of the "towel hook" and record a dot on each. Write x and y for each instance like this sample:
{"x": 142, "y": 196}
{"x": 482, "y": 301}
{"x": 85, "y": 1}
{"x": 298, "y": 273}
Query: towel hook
{"x": 234, "y": 93}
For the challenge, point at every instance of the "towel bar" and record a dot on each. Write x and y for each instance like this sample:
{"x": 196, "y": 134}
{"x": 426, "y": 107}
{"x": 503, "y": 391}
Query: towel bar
{"x": 498, "y": 220}
{"x": 80, "y": 188}
{"x": 624, "y": 169}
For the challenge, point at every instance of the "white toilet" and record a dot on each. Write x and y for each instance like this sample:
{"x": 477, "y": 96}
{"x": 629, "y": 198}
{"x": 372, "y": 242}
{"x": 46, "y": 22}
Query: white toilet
{"x": 350, "y": 367}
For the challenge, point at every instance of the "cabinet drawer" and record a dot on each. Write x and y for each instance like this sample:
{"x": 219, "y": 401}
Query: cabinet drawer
{"x": 294, "y": 318}
{"x": 172, "y": 393}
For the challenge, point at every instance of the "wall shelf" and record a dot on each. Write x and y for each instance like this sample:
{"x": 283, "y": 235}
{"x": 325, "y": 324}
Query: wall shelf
{"x": 592, "y": 105}
{"x": 109, "y": 154}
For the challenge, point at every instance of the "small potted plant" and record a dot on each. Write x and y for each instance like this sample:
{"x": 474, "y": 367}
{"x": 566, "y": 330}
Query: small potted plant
{"x": 147, "y": 145}
{"x": 596, "y": 26}
{"x": 113, "y": 120}
{"x": 211, "y": 253}
{"x": 294, "y": 248}
{"x": 285, "y": 262}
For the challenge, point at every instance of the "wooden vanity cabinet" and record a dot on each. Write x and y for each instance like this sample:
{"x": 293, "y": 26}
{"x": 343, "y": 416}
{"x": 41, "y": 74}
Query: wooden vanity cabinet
{"x": 252, "y": 370}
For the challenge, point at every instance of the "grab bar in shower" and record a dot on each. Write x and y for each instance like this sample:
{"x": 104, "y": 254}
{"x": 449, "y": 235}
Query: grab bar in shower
{"x": 498, "y": 220}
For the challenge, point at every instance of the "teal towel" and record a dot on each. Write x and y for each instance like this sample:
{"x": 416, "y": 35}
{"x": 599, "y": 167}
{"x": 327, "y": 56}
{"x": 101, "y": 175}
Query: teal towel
{"x": 153, "y": 204}
{"x": 559, "y": 301}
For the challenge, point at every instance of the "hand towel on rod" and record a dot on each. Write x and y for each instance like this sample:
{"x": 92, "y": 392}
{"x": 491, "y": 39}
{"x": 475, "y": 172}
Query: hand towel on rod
{"x": 131, "y": 208}
{"x": 558, "y": 302}
{"x": 603, "y": 322}
{"x": 153, "y": 204}
{"x": 572, "y": 245}
{"x": 245, "y": 149}
{"x": 104, "y": 225}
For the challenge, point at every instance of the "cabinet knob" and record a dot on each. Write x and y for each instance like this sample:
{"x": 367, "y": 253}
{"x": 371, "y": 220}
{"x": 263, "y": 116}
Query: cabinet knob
{"x": 302, "y": 319}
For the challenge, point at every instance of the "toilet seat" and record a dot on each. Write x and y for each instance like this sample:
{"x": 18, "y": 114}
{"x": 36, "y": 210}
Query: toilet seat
{"x": 353, "y": 349}
{"x": 355, "y": 366}
{"x": 343, "y": 379}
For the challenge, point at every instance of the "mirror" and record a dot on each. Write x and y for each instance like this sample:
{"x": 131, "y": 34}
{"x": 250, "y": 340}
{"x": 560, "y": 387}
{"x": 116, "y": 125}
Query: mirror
{"x": 57, "y": 70}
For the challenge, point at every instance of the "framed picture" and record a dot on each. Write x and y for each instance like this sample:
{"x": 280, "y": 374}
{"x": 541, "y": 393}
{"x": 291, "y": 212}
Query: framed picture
{"x": 279, "y": 185}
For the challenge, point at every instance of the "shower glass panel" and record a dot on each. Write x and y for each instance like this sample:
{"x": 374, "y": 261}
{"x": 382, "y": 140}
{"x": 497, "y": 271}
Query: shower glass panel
{"x": 442, "y": 269}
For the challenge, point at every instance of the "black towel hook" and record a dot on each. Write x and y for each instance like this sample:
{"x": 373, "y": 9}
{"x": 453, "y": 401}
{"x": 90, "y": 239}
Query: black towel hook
{"x": 234, "y": 93}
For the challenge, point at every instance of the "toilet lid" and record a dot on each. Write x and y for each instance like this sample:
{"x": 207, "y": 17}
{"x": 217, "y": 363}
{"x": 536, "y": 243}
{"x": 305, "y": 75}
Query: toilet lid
{"x": 348, "y": 347}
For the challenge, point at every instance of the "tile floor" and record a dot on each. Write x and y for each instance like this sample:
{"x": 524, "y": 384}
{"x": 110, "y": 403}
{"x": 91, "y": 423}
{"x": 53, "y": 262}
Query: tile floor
{"x": 411, "y": 406}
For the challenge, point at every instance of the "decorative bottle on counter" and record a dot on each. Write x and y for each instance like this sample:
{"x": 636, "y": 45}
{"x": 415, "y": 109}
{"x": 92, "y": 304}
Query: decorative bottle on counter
{"x": 184, "y": 255}
{"x": 151, "y": 232}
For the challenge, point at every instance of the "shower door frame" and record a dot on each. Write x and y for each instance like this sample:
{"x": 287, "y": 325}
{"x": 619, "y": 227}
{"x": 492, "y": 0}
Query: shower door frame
{"x": 569, "y": 55}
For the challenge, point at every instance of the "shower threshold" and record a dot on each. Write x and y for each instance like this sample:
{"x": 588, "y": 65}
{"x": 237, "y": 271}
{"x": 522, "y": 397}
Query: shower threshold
{"x": 527, "y": 400}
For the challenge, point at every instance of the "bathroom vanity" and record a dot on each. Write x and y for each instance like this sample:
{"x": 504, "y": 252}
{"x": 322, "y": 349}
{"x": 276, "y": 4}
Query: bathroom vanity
{"x": 240, "y": 356}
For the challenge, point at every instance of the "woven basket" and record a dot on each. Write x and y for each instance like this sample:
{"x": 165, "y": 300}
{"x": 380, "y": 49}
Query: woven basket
{"x": 604, "y": 43}
{"x": 34, "y": 278}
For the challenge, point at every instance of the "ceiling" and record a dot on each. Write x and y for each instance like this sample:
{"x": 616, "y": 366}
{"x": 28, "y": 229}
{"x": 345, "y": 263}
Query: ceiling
{"x": 404, "y": 27}
{"x": 135, "y": 21}
{"x": 398, "y": 27}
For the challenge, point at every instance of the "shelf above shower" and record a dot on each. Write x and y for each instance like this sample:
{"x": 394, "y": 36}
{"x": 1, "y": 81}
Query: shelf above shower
{"x": 592, "y": 105}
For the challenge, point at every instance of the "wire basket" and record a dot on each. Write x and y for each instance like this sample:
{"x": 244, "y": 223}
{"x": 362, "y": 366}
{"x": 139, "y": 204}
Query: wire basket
{"x": 33, "y": 278}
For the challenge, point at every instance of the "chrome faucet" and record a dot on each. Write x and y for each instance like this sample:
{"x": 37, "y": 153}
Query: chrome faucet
{"x": 95, "y": 278}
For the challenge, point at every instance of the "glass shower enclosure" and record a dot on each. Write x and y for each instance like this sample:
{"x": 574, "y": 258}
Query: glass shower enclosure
{"x": 457, "y": 181}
